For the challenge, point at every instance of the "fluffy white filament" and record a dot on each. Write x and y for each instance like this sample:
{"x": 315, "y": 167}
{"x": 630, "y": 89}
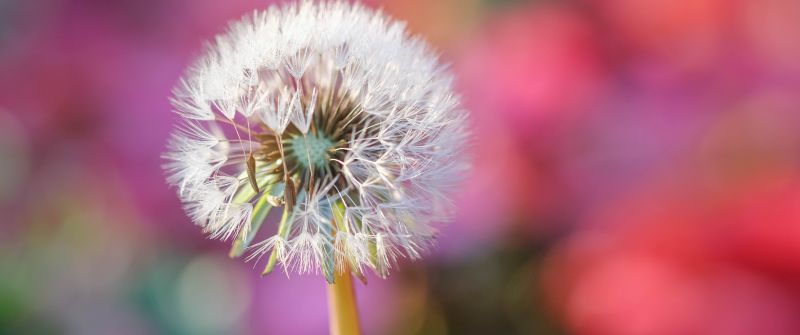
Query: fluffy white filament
{"x": 391, "y": 177}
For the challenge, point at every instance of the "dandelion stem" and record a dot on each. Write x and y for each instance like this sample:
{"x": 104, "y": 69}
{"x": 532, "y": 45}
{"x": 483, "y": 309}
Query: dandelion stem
{"x": 342, "y": 305}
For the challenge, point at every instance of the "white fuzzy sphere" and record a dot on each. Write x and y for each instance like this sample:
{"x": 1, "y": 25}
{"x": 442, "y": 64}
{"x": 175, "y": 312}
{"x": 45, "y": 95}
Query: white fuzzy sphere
{"x": 331, "y": 112}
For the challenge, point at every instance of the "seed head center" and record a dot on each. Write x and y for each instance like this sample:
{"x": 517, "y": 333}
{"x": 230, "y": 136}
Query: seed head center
{"x": 311, "y": 150}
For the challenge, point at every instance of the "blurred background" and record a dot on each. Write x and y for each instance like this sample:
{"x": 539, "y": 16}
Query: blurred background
{"x": 637, "y": 171}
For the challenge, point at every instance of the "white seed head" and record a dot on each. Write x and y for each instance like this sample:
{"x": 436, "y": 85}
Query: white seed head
{"x": 332, "y": 113}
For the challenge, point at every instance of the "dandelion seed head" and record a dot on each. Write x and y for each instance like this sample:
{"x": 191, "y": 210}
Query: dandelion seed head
{"x": 331, "y": 113}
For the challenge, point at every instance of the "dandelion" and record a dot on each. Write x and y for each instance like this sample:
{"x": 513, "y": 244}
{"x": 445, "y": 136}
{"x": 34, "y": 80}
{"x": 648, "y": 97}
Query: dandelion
{"x": 331, "y": 113}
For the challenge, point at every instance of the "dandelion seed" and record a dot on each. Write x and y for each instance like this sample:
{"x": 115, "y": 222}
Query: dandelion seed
{"x": 332, "y": 113}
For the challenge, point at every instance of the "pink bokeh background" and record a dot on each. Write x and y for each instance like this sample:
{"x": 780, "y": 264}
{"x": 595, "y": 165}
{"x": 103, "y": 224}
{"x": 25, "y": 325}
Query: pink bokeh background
{"x": 636, "y": 170}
